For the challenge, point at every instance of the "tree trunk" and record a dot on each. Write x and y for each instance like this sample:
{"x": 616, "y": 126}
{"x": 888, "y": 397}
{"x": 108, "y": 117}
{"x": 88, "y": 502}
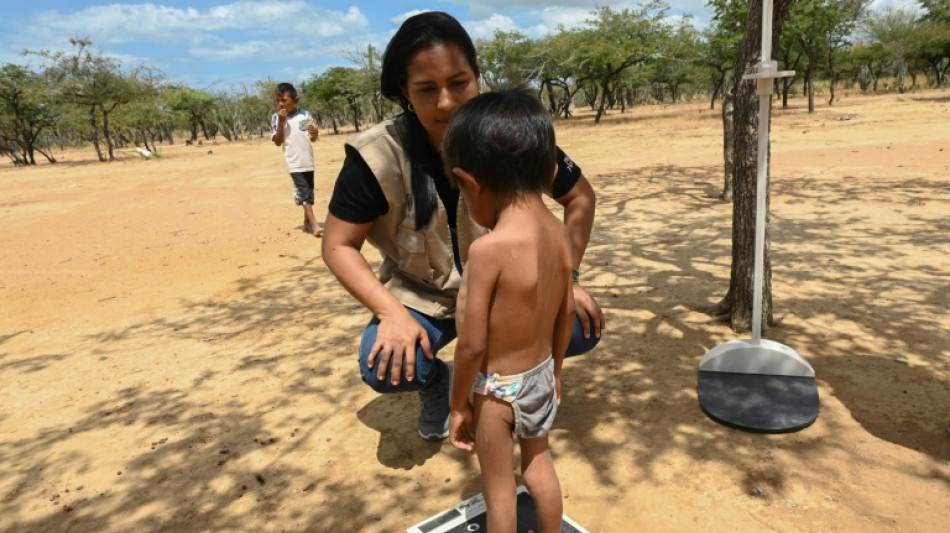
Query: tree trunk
{"x": 728, "y": 145}
{"x": 737, "y": 303}
{"x": 832, "y": 77}
{"x": 95, "y": 133}
{"x": 106, "y": 134}
{"x": 49, "y": 156}
{"x": 356, "y": 115}
{"x": 604, "y": 92}
{"x": 28, "y": 145}
{"x": 547, "y": 90}
{"x": 142, "y": 135}
{"x": 810, "y": 79}
{"x": 717, "y": 88}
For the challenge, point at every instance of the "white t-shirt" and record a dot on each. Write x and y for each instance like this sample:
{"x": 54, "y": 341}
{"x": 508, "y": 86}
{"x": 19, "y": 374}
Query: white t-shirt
{"x": 298, "y": 151}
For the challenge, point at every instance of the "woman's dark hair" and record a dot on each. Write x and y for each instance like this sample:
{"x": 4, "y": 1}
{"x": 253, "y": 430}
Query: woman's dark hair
{"x": 504, "y": 139}
{"x": 417, "y": 33}
{"x": 420, "y": 32}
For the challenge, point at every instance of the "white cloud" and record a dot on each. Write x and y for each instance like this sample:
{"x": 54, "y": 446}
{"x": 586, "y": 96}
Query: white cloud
{"x": 498, "y": 5}
{"x": 569, "y": 17}
{"x": 399, "y": 19}
{"x": 486, "y": 28}
{"x": 117, "y": 24}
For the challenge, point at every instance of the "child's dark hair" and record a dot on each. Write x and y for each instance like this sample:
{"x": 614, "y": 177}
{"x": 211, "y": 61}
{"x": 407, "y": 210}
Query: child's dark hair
{"x": 417, "y": 33}
{"x": 285, "y": 87}
{"x": 504, "y": 139}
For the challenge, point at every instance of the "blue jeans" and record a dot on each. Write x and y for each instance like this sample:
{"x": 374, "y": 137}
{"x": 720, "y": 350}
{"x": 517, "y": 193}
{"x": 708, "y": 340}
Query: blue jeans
{"x": 441, "y": 332}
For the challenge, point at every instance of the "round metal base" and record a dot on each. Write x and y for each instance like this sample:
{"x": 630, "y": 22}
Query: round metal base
{"x": 758, "y": 385}
{"x": 759, "y": 403}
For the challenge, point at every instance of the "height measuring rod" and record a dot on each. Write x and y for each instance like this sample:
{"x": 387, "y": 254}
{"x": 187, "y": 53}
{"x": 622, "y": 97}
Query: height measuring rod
{"x": 764, "y": 74}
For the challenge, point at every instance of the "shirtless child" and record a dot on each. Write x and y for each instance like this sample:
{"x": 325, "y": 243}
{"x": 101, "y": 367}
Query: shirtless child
{"x": 515, "y": 306}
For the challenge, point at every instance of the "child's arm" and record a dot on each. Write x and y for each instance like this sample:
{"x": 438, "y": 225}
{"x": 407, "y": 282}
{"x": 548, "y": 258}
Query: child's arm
{"x": 563, "y": 325}
{"x": 478, "y": 286}
{"x": 277, "y": 133}
{"x": 312, "y": 128}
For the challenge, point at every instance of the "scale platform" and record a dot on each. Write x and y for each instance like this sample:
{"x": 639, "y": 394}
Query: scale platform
{"x": 758, "y": 385}
{"x": 469, "y": 516}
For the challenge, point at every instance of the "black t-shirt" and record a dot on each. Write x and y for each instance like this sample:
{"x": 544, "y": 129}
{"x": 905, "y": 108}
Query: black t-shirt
{"x": 358, "y": 198}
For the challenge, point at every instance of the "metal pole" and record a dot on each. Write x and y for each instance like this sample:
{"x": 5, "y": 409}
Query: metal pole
{"x": 764, "y": 89}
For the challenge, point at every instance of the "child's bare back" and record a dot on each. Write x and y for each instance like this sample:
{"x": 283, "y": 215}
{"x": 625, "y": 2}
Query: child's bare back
{"x": 529, "y": 256}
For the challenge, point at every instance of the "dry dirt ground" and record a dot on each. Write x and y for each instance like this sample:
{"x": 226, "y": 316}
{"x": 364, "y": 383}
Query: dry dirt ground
{"x": 175, "y": 356}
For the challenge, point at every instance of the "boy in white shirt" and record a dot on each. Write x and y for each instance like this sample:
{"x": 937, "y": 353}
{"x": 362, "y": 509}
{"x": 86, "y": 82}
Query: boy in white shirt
{"x": 294, "y": 130}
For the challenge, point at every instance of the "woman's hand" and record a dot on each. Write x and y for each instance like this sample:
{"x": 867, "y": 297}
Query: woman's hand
{"x": 396, "y": 338}
{"x": 588, "y": 312}
{"x": 398, "y": 332}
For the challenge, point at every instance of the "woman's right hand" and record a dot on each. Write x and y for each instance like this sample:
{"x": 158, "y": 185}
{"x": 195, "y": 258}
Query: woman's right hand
{"x": 397, "y": 333}
{"x": 396, "y": 338}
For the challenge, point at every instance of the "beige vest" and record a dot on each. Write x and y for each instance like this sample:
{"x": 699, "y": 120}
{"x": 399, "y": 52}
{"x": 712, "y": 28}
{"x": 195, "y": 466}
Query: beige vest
{"x": 418, "y": 266}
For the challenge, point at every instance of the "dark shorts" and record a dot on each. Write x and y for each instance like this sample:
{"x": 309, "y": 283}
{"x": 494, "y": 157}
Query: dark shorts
{"x": 303, "y": 187}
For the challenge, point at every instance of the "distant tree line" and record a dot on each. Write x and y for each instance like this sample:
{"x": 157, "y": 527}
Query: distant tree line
{"x": 83, "y": 98}
{"x": 619, "y": 59}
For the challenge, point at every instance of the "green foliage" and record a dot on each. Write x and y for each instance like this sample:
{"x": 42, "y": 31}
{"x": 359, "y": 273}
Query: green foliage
{"x": 507, "y": 61}
{"x": 194, "y": 107}
{"x": 676, "y": 68}
{"x": 614, "y": 41}
{"x": 93, "y": 82}
{"x": 25, "y": 114}
{"x": 936, "y": 11}
{"x": 340, "y": 91}
{"x": 719, "y": 46}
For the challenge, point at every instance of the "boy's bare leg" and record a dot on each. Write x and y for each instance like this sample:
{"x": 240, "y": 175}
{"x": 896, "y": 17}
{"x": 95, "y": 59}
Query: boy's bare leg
{"x": 495, "y": 449}
{"x": 311, "y": 221}
{"x": 537, "y": 469}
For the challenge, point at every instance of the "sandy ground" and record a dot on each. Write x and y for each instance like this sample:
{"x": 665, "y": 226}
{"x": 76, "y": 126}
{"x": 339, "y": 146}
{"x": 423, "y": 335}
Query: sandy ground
{"x": 174, "y": 355}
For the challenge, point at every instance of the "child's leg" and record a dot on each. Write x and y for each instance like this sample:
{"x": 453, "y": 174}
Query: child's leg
{"x": 311, "y": 221}
{"x": 493, "y": 445}
{"x": 537, "y": 469}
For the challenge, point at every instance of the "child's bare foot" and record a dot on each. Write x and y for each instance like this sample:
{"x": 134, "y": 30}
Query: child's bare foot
{"x": 319, "y": 231}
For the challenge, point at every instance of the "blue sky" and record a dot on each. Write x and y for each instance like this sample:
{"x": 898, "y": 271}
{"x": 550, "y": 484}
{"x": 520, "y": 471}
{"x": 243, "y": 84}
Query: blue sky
{"x": 220, "y": 44}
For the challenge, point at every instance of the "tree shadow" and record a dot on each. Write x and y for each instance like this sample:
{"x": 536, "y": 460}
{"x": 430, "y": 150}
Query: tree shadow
{"x": 683, "y": 262}
{"x": 218, "y": 451}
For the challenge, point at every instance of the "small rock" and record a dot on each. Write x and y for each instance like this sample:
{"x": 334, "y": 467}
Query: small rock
{"x": 902, "y": 360}
{"x": 756, "y": 491}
